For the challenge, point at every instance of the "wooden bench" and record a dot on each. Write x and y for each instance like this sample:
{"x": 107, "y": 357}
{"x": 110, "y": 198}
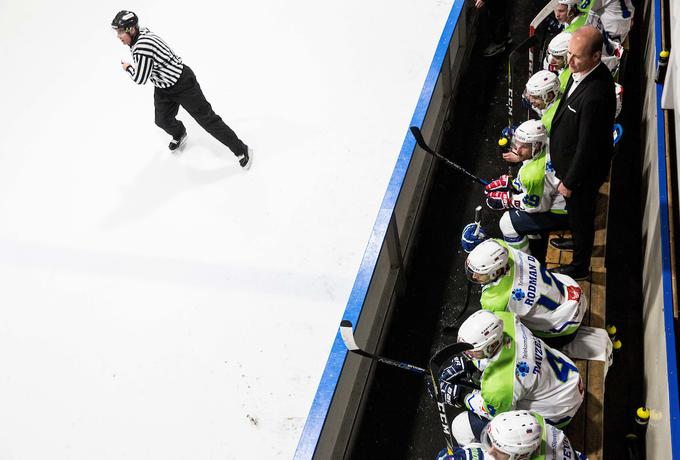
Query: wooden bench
{"x": 586, "y": 429}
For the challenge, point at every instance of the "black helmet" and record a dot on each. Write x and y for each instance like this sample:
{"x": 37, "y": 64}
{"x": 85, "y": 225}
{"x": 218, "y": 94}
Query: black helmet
{"x": 124, "y": 20}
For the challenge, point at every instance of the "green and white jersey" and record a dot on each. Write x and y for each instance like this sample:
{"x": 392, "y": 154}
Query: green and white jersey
{"x": 537, "y": 186}
{"x": 549, "y": 304}
{"x": 616, "y": 15}
{"x": 549, "y": 113}
{"x": 576, "y": 23}
{"x": 527, "y": 374}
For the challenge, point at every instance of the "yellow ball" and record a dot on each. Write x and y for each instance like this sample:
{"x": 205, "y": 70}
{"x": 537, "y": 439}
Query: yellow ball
{"x": 617, "y": 344}
{"x": 643, "y": 413}
{"x": 611, "y": 329}
{"x": 664, "y": 54}
{"x": 502, "y": 142}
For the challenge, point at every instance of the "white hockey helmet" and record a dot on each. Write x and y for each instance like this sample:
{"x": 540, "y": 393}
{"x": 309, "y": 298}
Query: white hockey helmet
{"x": 531, "y": 132}
{"x": 484, "y": 331}
{"x": 556, "y": 56}
{"x": 516, "y": 433}
{"x": 543, "y": 85}
{"x": 618, "y": 90}
{"x": 569, "y": 3}
{"x": 487, "y": 262}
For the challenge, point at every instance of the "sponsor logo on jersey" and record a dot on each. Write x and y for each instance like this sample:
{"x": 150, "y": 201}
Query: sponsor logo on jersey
{"x": 518, "y": 294}
{"x": 573, "y": 293}
{"x": 522, "y": 369}
{"x": 549, "y": 166}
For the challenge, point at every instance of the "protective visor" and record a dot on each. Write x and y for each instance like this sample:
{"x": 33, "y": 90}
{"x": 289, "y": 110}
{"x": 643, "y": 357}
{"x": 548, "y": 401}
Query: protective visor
{"x": 534, "y": 101}
{"x": 479, "y": 278}
{"x": 487, "y": 441}
{"x": 555, "y": 63}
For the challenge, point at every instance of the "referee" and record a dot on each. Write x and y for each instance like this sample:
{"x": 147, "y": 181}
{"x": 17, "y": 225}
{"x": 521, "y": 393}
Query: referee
{"x": 174, "y": 85}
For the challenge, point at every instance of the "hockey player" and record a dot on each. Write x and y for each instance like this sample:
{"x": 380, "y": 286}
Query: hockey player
{"x": 616, "y": 16}
{"x": 531, "y": 200}
{"x": 518, "y": 371}
{"x": 556, "y": 58}
{"x": 550, "y": 305}
{"x": 517, "y": 435}
{"x": 542, "y": 91}
{"x": 568, "y": 15}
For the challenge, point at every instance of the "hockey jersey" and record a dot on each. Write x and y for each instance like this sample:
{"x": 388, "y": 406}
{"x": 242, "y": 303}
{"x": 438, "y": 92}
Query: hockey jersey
{"x": 549, "y": 304}
{"x": 527, "y": 374}
{"x": 536, "y": 186}
{"x": 616, "y": 15}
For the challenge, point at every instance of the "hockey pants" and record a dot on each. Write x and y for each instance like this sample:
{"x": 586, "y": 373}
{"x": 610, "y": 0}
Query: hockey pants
{"x": 187, "y": 93}
{"x": 516, "y": 225}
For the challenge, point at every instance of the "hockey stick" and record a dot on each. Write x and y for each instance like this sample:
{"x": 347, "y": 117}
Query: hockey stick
{"x": 478, "y": 219}
{"x": 435, "y": 364}
{"x": 421, "y": 143}
{"x": 525, "y": 45}
{"x": 535, "y": 23}
{"x": 348, "y": 337}
{"x": 445, "y": 415}
{"x": 347, "y": 334}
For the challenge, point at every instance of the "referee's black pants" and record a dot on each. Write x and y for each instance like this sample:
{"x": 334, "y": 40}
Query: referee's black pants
{"x": 187, "y": 93}
{"x": 581, "y": 211}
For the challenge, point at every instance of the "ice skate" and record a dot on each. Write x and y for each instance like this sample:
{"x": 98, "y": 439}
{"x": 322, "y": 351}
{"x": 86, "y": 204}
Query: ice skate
{"x": 246, "y": 160}
{"x": 176, "y": 144}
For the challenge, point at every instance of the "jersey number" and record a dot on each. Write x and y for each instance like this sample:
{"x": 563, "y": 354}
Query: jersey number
{"x": 532, "y": 200}
{"x": 549, "y": 279}
{"x": 560, "y": 367}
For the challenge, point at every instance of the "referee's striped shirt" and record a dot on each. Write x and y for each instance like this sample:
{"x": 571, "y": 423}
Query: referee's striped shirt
{"x": 154, "y": 60}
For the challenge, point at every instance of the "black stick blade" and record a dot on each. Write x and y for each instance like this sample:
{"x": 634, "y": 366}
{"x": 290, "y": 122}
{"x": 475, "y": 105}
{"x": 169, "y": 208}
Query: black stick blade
{"x": 418, "y": 135}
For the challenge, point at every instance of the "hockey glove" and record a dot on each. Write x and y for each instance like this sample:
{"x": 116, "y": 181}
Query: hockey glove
{"x": 451, "y": 393}
{"x": 502, "y": 184}
{"x": 468, "y": 240}
{"x": 499, "y": 200}
{"x": 448, "y": 376}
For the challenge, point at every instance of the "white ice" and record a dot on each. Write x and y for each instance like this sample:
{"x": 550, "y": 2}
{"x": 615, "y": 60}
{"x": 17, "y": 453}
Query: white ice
{"x": 159, "y": 306}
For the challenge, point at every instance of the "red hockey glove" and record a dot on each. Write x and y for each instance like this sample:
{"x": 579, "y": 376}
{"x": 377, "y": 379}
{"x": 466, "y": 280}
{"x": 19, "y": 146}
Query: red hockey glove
{"x": 499, "y": 200}
{"x": 502, "y": 184}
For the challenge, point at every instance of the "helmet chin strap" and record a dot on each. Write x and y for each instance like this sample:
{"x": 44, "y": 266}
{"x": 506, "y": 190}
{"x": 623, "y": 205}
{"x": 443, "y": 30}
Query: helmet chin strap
{"x": 133, "y": 36}
{"x": 536, "y": 149}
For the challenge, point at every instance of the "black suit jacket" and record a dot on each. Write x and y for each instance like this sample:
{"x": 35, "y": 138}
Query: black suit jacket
{"x": 581, "y": 142}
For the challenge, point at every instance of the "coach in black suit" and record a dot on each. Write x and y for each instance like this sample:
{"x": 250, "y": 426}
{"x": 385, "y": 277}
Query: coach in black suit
{"x": 581, "y": 144}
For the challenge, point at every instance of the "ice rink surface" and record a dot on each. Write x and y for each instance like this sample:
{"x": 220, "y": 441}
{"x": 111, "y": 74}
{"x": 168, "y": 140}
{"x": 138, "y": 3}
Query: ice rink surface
{"x": 160, "y": 306}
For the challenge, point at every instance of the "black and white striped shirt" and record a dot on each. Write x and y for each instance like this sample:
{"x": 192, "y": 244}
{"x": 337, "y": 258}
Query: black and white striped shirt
{"x": 154, "y": 60}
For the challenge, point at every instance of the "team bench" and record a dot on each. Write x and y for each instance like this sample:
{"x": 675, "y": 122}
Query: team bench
{"x": 586, "y": 429}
